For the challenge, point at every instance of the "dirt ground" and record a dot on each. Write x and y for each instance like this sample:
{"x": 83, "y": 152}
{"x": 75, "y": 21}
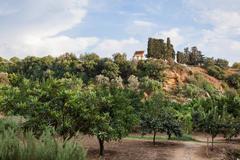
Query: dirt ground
{"x": 144, "y": 150}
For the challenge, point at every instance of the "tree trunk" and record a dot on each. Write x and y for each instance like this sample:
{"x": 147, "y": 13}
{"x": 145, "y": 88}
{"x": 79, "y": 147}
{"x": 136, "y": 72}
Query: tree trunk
{"x": 169, "y": 136}
{"x": 63, "y": 124}
{"x": 154, "y": 137}
{"x": 101, "y": 147}
{"x": 212, "y": 142}
{"x": 207, "y": 151}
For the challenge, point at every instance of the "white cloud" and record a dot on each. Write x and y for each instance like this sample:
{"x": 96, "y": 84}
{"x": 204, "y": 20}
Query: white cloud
{"x": 108, "y": 47}
{"x": 207, "y": 5}
{"x": 50, "y": 45}
{"x": 141, "y": 23}
{"x": 35, "y": 28}
{"x": 221, "y": 37}
{"x": 140, "y": 28}
{"x": 174, "y": 34}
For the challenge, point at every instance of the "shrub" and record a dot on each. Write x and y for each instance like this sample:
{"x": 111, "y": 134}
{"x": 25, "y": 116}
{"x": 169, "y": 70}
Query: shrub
{"x": 236, "y": 65}
{"x": 223, "y": 63}
{"x": 152, "y": 68}
{"x": 234, "y": 81}
{"x": 149, "y": 85}
{"x": 192, "y": 91}
{"x": 11, "y": 122}
{"x": 207, "y": 62}
{"x": 216, "y": 72}
{"x": 27, "y": 147}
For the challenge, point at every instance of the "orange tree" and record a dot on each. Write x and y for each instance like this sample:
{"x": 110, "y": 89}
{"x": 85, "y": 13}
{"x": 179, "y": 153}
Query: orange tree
{"x": 105, "y": 112}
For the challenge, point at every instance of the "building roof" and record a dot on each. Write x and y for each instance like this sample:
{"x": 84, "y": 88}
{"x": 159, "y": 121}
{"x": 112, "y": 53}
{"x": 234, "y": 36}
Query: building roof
{"x": 139, "y": 53}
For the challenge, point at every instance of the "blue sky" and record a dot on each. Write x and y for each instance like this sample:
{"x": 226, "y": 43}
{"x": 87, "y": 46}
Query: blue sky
{"x": 40, "y": 28}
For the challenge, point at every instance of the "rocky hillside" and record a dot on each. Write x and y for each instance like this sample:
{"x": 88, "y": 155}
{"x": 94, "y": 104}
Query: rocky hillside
{"x": 181, "y": 79}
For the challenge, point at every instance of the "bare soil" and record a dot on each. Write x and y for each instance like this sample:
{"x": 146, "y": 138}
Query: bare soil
{"x": 144, "y": 150}
{"x": 212, "y": 80}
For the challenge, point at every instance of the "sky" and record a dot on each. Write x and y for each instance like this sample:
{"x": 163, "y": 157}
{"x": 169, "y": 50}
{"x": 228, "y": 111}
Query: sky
{"x": 50, "y": 27}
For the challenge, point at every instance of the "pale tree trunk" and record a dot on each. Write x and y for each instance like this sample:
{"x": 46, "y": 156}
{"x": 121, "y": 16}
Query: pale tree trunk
{"x": 212, "y": 142}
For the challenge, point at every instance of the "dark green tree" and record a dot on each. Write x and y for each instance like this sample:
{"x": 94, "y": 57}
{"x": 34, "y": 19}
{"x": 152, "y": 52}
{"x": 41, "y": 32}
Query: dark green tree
{"x": 223, "y": 63}
{"x": 152, "y": 68}
{"x": 234, "y": 80}
{"x": 182, "y": 57}
{"x": 170, "y": 53}
{"x": 126, "y": 68}
{"x": 105, "y": 112}
{"x": 90, "y": 65}
{"x": 156, "y": 48}
{"x": 158, "y": 116}
{"x": 195, "y": 56}
{"x": 109, "y": 68}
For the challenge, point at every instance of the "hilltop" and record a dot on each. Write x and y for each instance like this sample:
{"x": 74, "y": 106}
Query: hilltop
{"x": 110, "y": 97}
{"x": 183, "y": 82}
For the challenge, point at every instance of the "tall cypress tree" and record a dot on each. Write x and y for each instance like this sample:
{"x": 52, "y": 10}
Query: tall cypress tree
{"x": 170, "y": 53}
{"x": 158, "y": 49}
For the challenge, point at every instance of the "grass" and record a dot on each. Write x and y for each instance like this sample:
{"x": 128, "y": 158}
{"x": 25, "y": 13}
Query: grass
{"x": 25, "y": 146}
{"x": 15, "y": 144}
{"x": 184, "y": 137}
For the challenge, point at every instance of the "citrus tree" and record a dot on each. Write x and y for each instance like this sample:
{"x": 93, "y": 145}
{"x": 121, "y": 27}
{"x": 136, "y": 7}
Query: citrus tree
{"x": 104, "y": 112}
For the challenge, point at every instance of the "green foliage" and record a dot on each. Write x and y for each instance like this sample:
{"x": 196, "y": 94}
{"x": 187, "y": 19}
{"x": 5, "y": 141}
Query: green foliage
{"x": 158, "y": 116}
{"x": 4, "y": 65}
{"x": 28, "y": 147}
{"x": 216, "y": 72}
{"x": 106, "y": 97}
{"x": 207, "y": 118}
{"x": 120, "y": 58}
{"x": 133, "y": 83}
{"x": 149, "y": 85}
{"x": 105, "y": 112}
{"x": 64, "y": 66}
{"x": 193, "y": 57}
{"x": 152, "y": 69}
{"x": 216, "y": 115}
{"x": 184, "y": 137}
{"x": 192, "y": 91}
{"x": 90, "y": 63}
{"x": 170, "y": 53}
{"x": 158, "y": 49}
{"x": 212, "y": 63}
{"x": 236, "y": 65}
{"x": 126, "y": 67}
{"x": 182, "y": 57}
{"x": 109, "y": 69}
{"x": 183, "y": 112}
{"x": 170, "y": 123}
{"x": 43, "y": 103}
{"x": 10, "y": 123}
{"x": 113, "y": 107}
{"x": 222, "y": 63}
{"x": 199, "y": 86}
{"x": 207, "y": 62}
{"x": 234, "y": 80}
